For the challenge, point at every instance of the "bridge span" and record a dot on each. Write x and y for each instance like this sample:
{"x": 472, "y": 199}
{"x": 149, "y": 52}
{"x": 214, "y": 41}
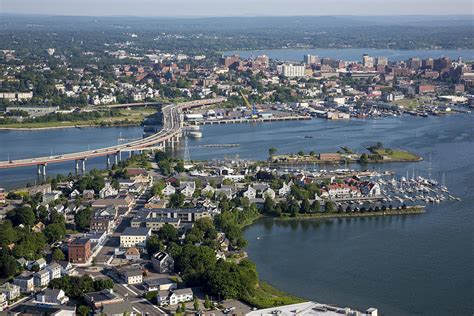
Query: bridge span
{"x": 168, "y": 136}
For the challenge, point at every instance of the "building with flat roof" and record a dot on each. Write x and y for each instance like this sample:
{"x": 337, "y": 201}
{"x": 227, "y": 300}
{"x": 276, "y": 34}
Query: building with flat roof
{"x": 79, "y": 250}
{"x": 311, "y": 309}
{"x": 101, "y": 298}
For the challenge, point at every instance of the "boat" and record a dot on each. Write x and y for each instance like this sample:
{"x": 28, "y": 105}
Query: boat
{"x": 308, "y": 136}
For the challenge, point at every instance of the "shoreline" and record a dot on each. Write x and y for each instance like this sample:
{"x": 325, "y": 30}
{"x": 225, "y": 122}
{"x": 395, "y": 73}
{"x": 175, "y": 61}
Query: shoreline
{"x": 32, "y": 129}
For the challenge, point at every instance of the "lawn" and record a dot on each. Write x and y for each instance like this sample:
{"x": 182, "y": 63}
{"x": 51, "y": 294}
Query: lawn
{"x": 267, "y": 296}
{"x": 396, "y": 154}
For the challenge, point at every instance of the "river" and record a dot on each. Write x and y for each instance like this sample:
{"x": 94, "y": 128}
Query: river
{"x": 355, "y": 53}
{"x": 404, "y": 265}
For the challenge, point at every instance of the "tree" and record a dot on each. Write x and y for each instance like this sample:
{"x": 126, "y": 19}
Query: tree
{"x": 379, "y": 145}
{"x": 8, "y": 265}
{"x": 329, "y": 207}
{"x": 153, "y": 245}
{"x": 269, "y": 206}
{"x": 196, "y": 304}
{"x": 83, "y": 218}
{"x": 207, "y": 302}
{"x": 177, "y": 200}
{"x": 183, "y": 307}
{"x": 315, "y": 207}
{"x": 300, "y": 153}
{"x": 305, "y": 206}
{"x": 272, "y": 151}
{"x": 364, "y": 158}
{"x": 312, "y": 153}
{"x": 23, "y": 215}
{"x": 168, "y": 233}
{"x": 58, "y": 255}
{"x": 55, "y": 232}
{"x": 83, "y": 310}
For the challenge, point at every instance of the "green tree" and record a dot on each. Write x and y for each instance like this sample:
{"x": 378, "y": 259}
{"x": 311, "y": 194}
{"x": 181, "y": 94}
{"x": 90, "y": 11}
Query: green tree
{"x": 22, "y": 216}
{"x": 196, "y": 304}
{"x": 305, "y": 206}
{"x": 55, "y": 232}
{"x": 154, "y": 244}
{"x": 268, "y": 206}
{"x": 8, "y": 265}
{"x": 207, "y": 302}
{"x": 315, "y": 207}
{"x": 330, "y": 207}
{"x": 83, "y": 310}
{"x": 168, "y": 233}
{"x": 83, "y": 218}
{"x": 272, "y": 151}
{"x": 300, "y": 153}
{"x": 58, "y": 255}
{"x": 177, "y": 200}
{"x": 364, "y": 158}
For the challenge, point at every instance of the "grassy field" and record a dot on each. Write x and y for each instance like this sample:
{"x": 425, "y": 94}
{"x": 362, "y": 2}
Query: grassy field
{"x": 128, "y": 117}
{"x": 408, "y": 104}
{"x": 267, "y": 296}
{"x": 396, "y": 154}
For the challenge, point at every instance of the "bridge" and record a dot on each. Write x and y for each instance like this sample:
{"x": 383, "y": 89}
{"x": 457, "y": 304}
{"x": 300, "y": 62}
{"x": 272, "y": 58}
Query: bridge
{"x": 168, "y": 136}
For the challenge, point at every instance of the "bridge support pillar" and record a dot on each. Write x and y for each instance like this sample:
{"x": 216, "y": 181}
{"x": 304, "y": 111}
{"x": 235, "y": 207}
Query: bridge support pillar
{"x": 39, "y": 169}
{"x": 116, "y": 158}
{"x": 120, "y": 155}
{"x": 77, "y": 166}
{"x": 130, "y": 154}
{"x": 44, "y": 169}
{"x": 83, "y": 165}
{"x": 108, "y": 161}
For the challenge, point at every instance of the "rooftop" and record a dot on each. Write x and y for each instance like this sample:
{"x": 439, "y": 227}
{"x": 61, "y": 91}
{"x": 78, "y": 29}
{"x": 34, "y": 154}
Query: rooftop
{"x": 138, "y": 231}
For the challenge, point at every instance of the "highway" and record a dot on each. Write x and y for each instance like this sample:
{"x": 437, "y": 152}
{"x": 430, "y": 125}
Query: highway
{"x": 170, "y": 132}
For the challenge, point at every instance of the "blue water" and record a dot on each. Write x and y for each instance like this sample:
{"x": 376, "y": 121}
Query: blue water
{"x": 404, "y": 265}
{"x": 352, "y": 54}
{"x": 26, "y": 144}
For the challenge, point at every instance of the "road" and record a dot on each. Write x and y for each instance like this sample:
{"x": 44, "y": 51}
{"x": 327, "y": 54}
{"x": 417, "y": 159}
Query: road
{"x": 171, "y": 130}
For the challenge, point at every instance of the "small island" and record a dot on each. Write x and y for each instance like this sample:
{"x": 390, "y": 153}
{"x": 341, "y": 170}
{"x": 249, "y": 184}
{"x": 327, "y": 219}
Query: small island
{"x": 376, "y": 153}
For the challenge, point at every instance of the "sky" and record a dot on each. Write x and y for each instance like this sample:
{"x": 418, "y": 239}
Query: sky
{"x": 200, "y": 8}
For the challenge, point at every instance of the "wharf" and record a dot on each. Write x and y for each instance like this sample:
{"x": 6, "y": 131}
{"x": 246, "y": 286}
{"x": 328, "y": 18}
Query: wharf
{"x": 252, "y": 120}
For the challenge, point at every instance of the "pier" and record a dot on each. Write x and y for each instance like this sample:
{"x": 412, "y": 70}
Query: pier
{"x": 252, "y": 120}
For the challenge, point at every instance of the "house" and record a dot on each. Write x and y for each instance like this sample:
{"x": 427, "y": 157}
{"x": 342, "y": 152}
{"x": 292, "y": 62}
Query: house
{"x": 368, "y": 188}
{"x": 3, "y": 302}
{"x": 88, "y": 195}
{"x": 107, "y": 191}
{"x": 155, "y": 223}
{"x": 122, "y": 203}
{"x": 187, "y": 191}
{"x": 101, "y": 298}
{"x": 52, "y": 297}
{"x": 101, "y": 224}
{"x": 250, "y": 193}
{"x": 22, "y": 262}
{"x": 54, "y": 270}
{"x": 66, "y": 267}
{"x": 160, "y": 284}
{"x": 285, "y": 189}
{"x": 79, "y": 250}
{"x": 132, "y": 253}
{"x": 208, "y": 189}
{"x": 162, "y": 262}
{"x": 168, "y": 190}
{"x": 40, "y": 263}
{"x": 134, "y": 237}
{"x": 51, "y": 197}
{"x": 342, "y": 190}
{"x": 75, "y": 194}
{"x": 25, "y": 281}
{"x": 156, "y": 202}
{"x": 174, "y": 297}
{"x": 130, "y": 275}
{"x": 41, "y": 278}
{"x": 11, "y": 291}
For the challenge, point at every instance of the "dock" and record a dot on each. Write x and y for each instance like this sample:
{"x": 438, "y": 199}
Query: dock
{"x": 252, "y": 120}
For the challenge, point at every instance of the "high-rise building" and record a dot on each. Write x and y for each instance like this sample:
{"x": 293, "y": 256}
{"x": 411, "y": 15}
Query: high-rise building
{"x": 427, "y": 63}
{"x": 381, "y": 61}
{"x": 414, "y": 63}
{"x": 442, "y": 63}
{"x": 311, "y": 59}
{"x": 367, "y": 61}
{"x": 293, "y": 71}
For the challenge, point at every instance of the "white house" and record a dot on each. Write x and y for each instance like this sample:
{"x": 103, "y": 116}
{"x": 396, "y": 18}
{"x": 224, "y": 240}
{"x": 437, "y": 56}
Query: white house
{"x": 285, "y": 189}
{"x": 174, "y": 297}
{"x": 11, "y": 291}
{"x": 52, "y": 297}
{"x": 169, "y": 190}
{"x": 41, "y": 278}
{"x": 54, "y": 270}
{"x": 250, "y": 193}
{"x": 162, "y": 262}
{"x": 3, "y": 302}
